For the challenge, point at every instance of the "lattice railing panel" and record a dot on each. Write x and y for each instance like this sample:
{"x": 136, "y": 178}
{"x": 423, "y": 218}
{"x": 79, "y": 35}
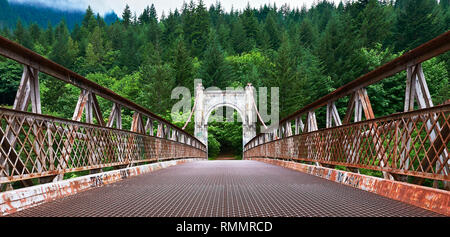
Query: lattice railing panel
{"x": 34, "y": 146}
{"x": 401, "y": 144}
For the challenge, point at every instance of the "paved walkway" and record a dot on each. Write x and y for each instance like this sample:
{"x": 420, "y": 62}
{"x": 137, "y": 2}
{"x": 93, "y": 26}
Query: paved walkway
{"x": 224, "y": 189}
{"x": 225, "y": 157}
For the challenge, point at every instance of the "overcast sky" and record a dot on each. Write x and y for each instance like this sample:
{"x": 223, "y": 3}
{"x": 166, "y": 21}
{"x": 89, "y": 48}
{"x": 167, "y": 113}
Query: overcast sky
{"x": 104, "y": 6}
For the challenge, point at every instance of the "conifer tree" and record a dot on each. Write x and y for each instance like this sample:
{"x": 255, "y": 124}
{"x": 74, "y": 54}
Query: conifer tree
{"x": 271, "y": 28}
{"x": 374, "y": 23}
{"x": 284, "y": 75}
{"x": 182, "y": 65}
{"x": 239, "y": 39}
{"x": 153, "y": 29}
{"x": 153, "y": 16}
{"x": 250, "y": 24}
{"x": 301, "y": 49}
{"x": 172, "y": 30}
{"x": 215, "y": 71}
{"x": 87, "y": 17}
{"x": 21, "y": 35}
{"x": 201, "y": 27}
{"x": 144, "y": 18}
{"x": 307, "y": 34}
{"x": 126, "y": 16}
{"x": 157, "y": 82}
{"x": 418, "y": 22}
{"x": 34, "y": 32}
{"x": 61, "y": 51}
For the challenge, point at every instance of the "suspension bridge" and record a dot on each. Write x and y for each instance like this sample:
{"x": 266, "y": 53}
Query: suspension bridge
{"x": 155, "y": 168}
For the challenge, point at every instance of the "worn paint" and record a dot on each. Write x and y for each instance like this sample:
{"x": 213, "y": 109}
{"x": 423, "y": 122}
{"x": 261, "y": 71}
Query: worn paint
{"x": 424, "y": 197}
{"x": 16, "y": 200}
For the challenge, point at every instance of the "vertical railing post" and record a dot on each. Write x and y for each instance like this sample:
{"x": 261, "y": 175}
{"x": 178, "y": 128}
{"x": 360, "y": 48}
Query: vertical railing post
{"x": 417, "y": 90}
{"x": 27, "y": 92}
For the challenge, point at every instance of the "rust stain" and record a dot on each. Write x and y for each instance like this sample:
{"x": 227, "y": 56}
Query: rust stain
{"x": 424, "y": 197}
{"x": 46, "y": 192}
{"x": 11, "y": 209}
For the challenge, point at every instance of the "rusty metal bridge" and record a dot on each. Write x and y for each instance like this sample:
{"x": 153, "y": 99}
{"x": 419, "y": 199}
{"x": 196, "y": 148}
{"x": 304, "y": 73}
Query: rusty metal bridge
{"x": 395, "y": 165}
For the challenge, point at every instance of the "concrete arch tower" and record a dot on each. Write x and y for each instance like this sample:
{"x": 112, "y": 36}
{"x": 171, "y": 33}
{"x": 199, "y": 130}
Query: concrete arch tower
{"x": 242, "y": 100}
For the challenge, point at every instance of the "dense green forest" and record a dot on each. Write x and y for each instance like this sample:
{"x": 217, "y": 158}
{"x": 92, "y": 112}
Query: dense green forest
{"x": 307, "y": 53}
{"x": 33, "y": 13}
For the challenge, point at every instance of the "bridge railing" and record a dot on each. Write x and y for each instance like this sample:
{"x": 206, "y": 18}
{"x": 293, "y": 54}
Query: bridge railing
{"x": 45, "y": 146}
{"x": 411, "y": 143}
{"x": 33, "y": 145}
{"x": 374, "y": 144}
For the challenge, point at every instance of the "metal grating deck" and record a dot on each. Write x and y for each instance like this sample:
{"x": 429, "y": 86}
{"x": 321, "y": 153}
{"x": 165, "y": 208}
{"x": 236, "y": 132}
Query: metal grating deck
{"x": 225, "y": 189}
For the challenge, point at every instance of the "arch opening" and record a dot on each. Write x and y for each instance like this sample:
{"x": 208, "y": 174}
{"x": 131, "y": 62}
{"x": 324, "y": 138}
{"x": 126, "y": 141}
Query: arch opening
{"x": 224, "y": 114}
{"x": 239, "y": 100}
{"x": 225, "y": 133}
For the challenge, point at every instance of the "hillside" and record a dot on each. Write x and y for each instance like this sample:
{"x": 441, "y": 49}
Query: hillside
{"x": 11, "y": 12}
{"x": 306, "y": 53}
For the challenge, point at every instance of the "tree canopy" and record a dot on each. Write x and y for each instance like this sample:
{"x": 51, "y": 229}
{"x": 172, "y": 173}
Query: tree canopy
{"x": 305, "y": 52}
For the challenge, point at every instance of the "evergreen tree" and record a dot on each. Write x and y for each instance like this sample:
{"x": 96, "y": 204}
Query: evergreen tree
{"x": 100, "y": 21}
{"x": 215, "y": 71}
{"x": 322, "y": 13}
{"x": 89, "y": 22}
{"x": 153, "y": 16}
{"x": 418, "y": 22}
{"x": 135, "y": 20}
{"x": 35, "y": 32}
{"x": 271, "y": 30}
{"x": 327, "y": 46}
{"x": 307, "y": 34}
{"x": 96, "y": 39}
{"x": 239, "y": 40}
{"x": 157, "y": 82}
{"x": 284, "y": 77}
{"x": 172, "y": 30}
{"x": 315, "y": 83}
{"x": 64, "y": 51}
{"x": 444, "y": 4}
{"x": 304, "y": 52}
{"x": 21, "y": 35}
{"x": 92, "y": 59}
{"x": 183, "y": 65}
{"x": 126, "y": 16}
{"x": 144, "y": 18}
{"x": 199, "y": 35}
{"x": 77, "y": 33}
{"x": 263, "y": 40}
{"x": 300, "y": 49}
{"x": 223, "y": 33}
{"x": 5, "y": 32}
{"x": 154, "y": 33}
{"x": 250, "y": 24}
{"x": 153, "y": 29}
{"x": 116, "y": 35}
{"x": 374, "y": 22}
{"x": 48, "y": 35}
{"x": 336, "y": 49}
{"x": 129, "y": 50}
{"x": 61, "y": 52}
{"x": 188, "y": 21}
{"x": 95, "y": 51}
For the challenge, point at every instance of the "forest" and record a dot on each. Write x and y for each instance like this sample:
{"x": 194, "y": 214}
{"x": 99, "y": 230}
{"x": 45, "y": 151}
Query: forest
{"x": 307, "y": 53}
{"x": 11, "y": 12}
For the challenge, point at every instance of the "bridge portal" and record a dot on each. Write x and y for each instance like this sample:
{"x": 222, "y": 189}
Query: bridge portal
{"x": 242, "y": 100}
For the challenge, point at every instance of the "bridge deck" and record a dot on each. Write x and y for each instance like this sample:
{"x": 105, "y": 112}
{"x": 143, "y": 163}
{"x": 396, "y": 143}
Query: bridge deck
{"x": 225, "y": 188}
